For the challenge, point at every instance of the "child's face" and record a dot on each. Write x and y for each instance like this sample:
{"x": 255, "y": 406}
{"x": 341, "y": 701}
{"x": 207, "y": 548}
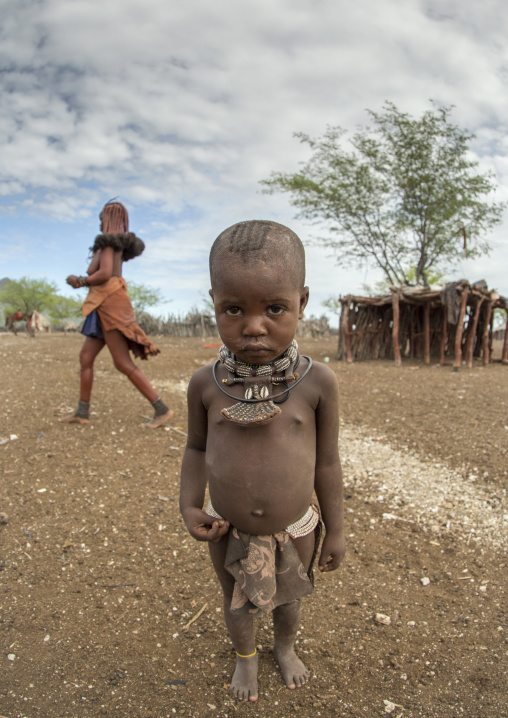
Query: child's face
{"x": 257, "y": 308}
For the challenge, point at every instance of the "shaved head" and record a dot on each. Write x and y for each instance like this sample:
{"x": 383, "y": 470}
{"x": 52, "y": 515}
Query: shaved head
{"x": 259, "y": 241}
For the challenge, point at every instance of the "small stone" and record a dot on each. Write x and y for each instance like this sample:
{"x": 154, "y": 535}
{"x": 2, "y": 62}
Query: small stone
{"x": 11, "y": 656}
{"x": 425, "y": 581}
{"x": 383, "y": 619}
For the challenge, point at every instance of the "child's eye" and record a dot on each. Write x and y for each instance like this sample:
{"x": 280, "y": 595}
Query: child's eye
{"x": 276, "y": 309}
{"x": 233, "y": 311}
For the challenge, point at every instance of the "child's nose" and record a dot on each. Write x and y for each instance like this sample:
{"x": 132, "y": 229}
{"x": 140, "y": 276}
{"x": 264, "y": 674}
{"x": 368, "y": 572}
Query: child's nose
{"x": 254, "y": 326}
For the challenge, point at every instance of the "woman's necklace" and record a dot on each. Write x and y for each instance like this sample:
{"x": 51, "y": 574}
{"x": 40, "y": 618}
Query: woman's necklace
{"x": 258, "y": 406}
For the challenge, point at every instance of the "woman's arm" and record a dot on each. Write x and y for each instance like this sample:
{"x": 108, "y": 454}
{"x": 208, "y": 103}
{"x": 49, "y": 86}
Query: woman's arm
{"x": 99, "y": 271}
{"x": 95, "y": 263}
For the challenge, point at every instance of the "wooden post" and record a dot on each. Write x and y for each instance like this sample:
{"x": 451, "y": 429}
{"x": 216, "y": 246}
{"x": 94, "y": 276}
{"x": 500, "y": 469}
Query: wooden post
{"x": 472, "y": 333}
{"x": 460, "y": 330}
{"x": 504, "y": 355}
{"x": 491, "y": 331}
{"x": 395, "y": 328}
{"x": 426, "y": 333}
{"x": 485, "y": 337}
{"x": 444, "y": 334}
{"x": 412, "y": 333}
{"x": 344, "y": 320}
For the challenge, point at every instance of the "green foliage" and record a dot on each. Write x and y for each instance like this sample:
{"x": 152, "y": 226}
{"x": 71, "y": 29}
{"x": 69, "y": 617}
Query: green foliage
{"x": 406, "y": 194}
{"x": 383, "y": 286}
{"x": 142, "y": 297}
{"x": 28, "y": 295}
{"x": 65, "y": 308}
{"x": 333, "y": 304}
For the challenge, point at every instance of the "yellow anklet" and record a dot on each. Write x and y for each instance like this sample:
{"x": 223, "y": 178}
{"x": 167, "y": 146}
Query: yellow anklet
{"x": 250, "y": 656}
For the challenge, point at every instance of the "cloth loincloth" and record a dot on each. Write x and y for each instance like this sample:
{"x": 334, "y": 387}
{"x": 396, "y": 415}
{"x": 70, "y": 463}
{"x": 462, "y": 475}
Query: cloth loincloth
{"x": 92, "y": 326}
{"x": 267, "y": 569}
{"x": 115, "y": 311}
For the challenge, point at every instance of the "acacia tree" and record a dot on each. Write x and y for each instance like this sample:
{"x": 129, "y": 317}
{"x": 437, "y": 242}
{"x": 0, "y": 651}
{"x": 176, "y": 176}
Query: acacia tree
{"x": 406, "y": 194}
{"x": 28, "y": 295}
{"x": 143, "y": 297}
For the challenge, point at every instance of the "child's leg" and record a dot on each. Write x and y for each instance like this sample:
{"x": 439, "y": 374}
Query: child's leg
{"x": 244, "y": 684}
{"x": 286, "y": 620}
{"x": 91, "y": 347}
{"x": 119, "y": 348}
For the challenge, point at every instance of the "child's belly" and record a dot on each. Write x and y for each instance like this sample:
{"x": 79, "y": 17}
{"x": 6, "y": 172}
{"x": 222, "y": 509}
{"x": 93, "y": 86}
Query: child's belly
{"x": 262, "y": 492}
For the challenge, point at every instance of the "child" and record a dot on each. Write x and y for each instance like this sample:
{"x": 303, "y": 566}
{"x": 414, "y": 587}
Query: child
{"x": 263, "y": 433}
{"x": 109, "y": 315}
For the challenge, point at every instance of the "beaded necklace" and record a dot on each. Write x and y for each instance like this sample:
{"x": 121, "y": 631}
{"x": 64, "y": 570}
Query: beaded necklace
{"x": 258, "y": 407}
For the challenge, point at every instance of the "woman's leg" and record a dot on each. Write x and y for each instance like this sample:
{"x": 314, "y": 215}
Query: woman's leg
{"x": 91, "y": 347}
{"x": 119, "y": 348}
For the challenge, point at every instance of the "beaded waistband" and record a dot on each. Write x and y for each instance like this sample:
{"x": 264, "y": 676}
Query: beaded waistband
{"x": 299, "y": 528}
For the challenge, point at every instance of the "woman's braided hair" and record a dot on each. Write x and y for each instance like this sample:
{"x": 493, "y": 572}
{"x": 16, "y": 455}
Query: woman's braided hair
{"x": 114, "y": 218}
{"x": 115, "y": 232}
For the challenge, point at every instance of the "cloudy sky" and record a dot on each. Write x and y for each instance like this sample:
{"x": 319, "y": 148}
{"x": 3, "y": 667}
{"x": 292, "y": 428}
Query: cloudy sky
{"x": 181, "y": 108}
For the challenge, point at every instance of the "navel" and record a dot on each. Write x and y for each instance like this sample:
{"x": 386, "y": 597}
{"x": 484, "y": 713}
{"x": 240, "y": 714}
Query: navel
{"x": 258, "y": 513}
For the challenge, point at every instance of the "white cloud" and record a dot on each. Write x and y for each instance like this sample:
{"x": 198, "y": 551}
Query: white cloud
{"x": 181, "y": 108}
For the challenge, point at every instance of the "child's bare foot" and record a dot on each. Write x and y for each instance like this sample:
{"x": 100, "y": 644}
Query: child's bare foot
{"x": 294, "y": 672}
{"x": 73, "y": 419}
{"x": 158, "y": 420}
{"x": 244, "y": 684}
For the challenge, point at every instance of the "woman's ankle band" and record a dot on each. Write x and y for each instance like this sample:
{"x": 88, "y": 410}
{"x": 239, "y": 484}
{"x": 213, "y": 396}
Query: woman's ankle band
{"x": 249, "y": 656}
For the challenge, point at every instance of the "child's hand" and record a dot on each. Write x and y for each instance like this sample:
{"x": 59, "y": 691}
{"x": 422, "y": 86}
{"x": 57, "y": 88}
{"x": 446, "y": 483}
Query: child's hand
{"x": 205, "y": 528}
{"x": 332, "y": 552}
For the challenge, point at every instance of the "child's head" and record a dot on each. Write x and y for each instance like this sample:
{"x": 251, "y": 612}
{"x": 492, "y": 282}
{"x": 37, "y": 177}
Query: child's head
{"x": 261, "y": 242}
{"x": 257, "y": 272}
{"x": 114, "y": 218}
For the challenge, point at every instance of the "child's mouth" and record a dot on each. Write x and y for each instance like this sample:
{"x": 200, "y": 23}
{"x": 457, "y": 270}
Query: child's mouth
{"x": 255, "y": 349}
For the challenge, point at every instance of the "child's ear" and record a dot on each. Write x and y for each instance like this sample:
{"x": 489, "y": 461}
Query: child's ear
{"x": 304, "y": 298}
{"x": 210, "y": 292}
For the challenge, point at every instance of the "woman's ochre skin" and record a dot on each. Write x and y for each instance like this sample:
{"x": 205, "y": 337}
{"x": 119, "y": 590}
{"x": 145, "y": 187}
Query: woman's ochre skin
{"x": 107, "y": 263}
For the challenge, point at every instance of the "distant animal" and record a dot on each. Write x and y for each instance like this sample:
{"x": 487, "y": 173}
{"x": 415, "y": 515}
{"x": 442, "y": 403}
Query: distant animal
{"x": 11, "y": 319}
{"x": 33, "y": 322}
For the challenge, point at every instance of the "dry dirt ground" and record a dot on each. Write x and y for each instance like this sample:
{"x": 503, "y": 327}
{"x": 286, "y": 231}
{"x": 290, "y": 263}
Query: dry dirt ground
{"x": 108, "y": 607}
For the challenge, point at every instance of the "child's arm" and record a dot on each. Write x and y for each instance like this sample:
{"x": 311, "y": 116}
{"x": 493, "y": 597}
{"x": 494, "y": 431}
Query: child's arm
{"x": 328, "y": 477}
{"x": 193, "y": 481}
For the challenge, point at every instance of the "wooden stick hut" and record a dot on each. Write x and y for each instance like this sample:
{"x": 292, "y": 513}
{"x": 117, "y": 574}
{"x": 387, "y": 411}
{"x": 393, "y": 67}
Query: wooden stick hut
{"x": 449, "y": 325}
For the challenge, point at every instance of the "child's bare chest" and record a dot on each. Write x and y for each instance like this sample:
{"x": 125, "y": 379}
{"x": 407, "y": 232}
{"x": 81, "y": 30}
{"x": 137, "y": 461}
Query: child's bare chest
{"x": 268, "y": 468}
